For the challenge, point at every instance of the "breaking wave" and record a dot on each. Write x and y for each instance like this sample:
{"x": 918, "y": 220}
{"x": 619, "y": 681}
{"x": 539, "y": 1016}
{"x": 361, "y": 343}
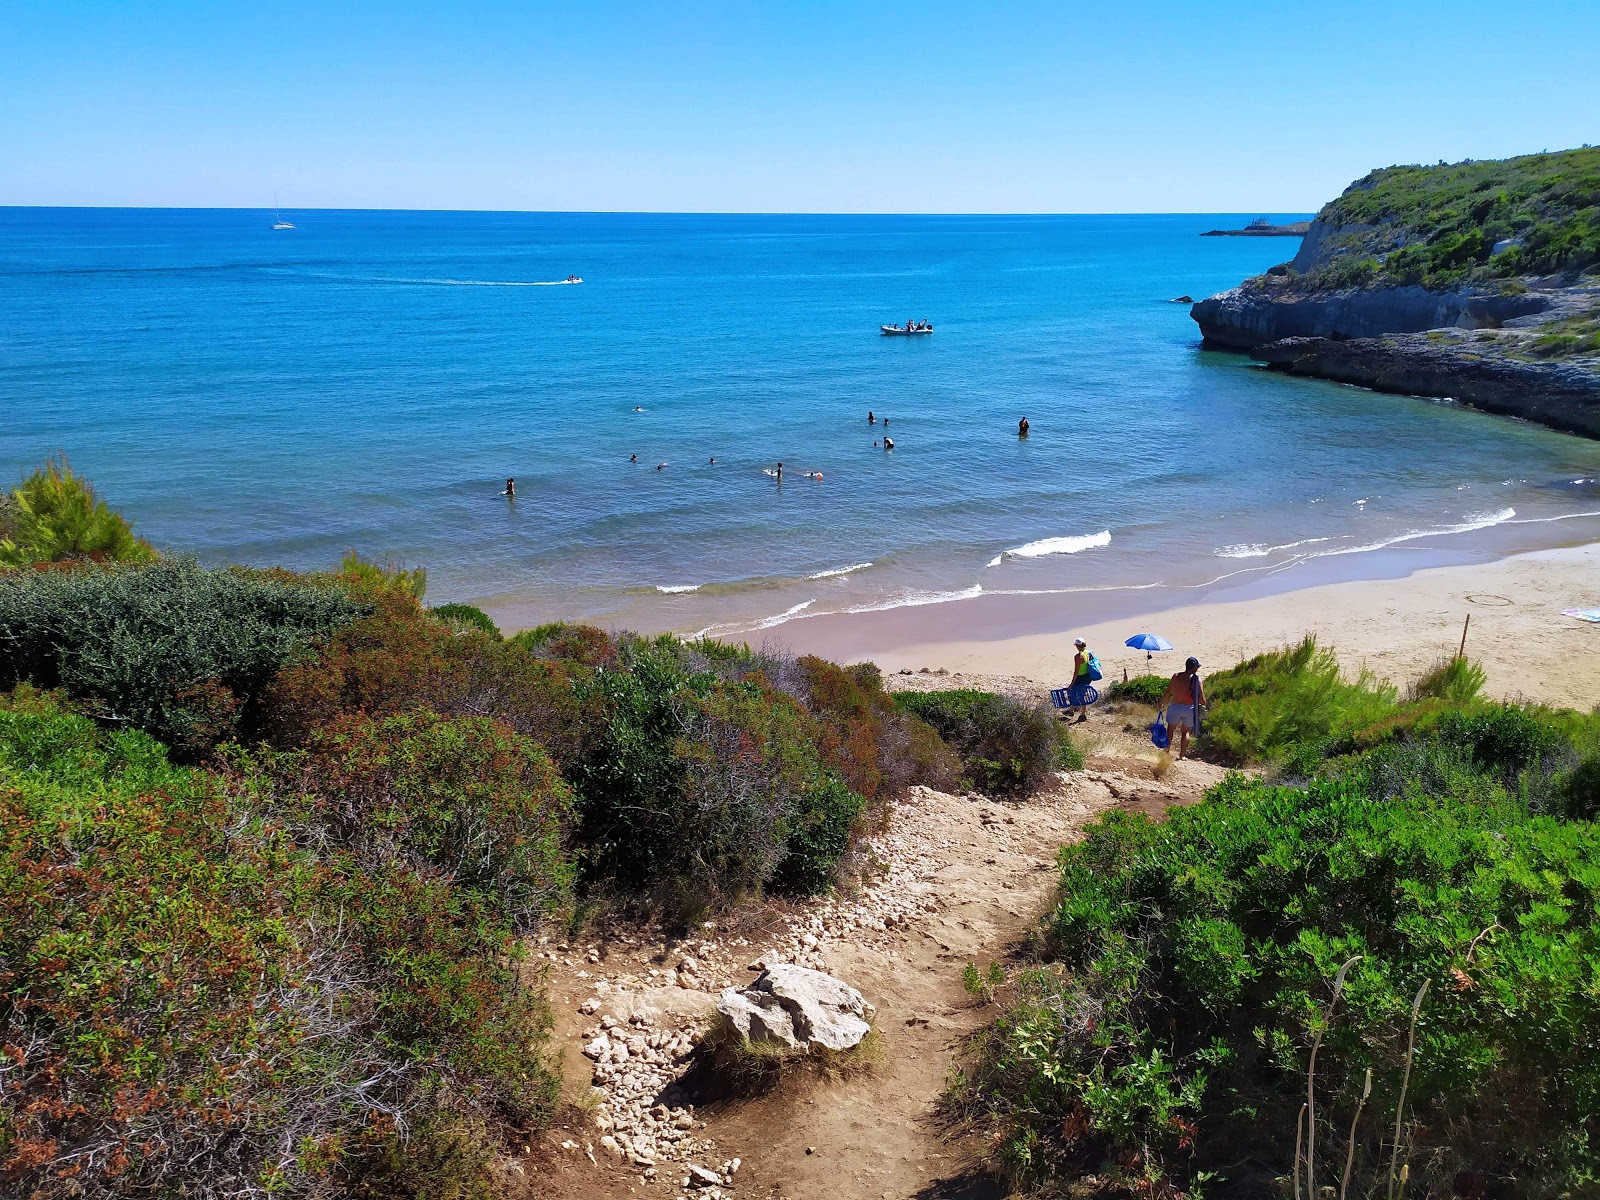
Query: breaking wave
{"x": 1055, "y": 545}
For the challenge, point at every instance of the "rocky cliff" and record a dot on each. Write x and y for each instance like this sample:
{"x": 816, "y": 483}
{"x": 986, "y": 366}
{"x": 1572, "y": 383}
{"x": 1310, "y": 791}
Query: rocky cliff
{"x": 1475, "y": 281}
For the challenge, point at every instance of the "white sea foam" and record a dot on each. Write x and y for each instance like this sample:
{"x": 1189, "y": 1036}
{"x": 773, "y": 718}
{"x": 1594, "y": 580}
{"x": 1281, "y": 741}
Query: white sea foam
{"x": 918, "y": 599}
{"x": 1473, "y": 522}
{"x": 673, "y": 589}
{"x": 839, "y": 571}
{"x": 1261, "y": 549}
{"x": 1055, "y": 545}
{"x": 789, "y": 615}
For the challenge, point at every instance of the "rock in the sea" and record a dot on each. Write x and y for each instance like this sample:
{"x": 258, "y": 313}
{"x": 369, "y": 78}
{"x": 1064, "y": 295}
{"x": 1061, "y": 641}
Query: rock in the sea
{"x": 1181, "y": 300}
{"x": 797, "y": 1007}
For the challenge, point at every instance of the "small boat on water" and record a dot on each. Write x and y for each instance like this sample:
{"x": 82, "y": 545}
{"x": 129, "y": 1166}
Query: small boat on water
{"x": 909, "y": 329}
{"x": 573, "y": 279}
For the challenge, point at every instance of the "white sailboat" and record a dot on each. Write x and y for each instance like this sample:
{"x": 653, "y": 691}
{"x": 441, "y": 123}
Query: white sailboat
{"x": 277, "y": 221}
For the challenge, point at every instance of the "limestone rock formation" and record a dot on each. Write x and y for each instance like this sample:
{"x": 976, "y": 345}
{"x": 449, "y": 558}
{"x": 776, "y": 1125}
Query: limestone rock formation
{"x": 798, "y": 1008}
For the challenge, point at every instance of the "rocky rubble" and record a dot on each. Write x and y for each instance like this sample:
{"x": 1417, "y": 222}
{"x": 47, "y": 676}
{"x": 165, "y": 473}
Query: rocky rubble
{"x": 648, "y": 1018}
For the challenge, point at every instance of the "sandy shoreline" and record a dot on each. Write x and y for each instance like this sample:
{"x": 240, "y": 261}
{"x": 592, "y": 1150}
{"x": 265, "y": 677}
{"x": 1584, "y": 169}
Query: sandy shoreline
{"x": 1395, "y": 627}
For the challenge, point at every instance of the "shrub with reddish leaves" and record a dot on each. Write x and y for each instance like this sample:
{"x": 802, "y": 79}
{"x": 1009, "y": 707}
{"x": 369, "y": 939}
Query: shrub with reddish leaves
{"x": 464, "y": 797}
{"x": 211, "y": 986}
{"x": 400, "y": 659}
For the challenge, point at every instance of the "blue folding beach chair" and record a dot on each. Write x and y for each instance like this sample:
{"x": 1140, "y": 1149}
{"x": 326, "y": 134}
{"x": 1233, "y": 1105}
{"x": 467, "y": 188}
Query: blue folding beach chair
{"x": 1072, "y": 697}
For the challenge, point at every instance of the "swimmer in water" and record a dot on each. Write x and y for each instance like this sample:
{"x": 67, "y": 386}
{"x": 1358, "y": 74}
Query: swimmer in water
{"x": 813, "y": 474}
{"x": 1022, "y": 427}
{"x": 660, "y": 465}
{"x": 871, "y": 420}
{"x": 713, "y": 460}
{"x": 638, "y": 408}
{"x": 633, "y": 458}
{"x": 886, "y": 422}
{"x": 511, "y": 489}
{"x": 779, "y": 475}
{"x": 888, "y": 443}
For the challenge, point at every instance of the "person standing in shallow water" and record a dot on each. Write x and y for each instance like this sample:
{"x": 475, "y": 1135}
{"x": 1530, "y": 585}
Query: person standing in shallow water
{"x": 1022, "y": 427}
{"x": 511, "y": 489}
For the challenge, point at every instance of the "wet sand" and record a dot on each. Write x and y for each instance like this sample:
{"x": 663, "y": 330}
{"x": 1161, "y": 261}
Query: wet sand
{"x": 1397, "y": 626}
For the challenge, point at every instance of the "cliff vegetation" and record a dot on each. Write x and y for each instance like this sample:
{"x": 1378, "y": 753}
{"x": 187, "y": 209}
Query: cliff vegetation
{"x": 273, "y": 847}
{"x": 1370, "y": 973}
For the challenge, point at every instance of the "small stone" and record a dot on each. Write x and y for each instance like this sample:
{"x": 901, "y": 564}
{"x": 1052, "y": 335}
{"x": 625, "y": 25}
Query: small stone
{"x": 701, "y": 1177}
{"x": 811, "y": 1149}
{"x": 590, "y": 1006}
{"x": 611, "y": 1146}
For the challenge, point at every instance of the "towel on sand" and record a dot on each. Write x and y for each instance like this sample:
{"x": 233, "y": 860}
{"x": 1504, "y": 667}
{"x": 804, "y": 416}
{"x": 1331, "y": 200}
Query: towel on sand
{"x": 1583, "y": 614}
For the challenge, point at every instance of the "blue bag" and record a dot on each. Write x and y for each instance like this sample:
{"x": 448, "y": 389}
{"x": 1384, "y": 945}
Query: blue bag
{"x": 1094, "y": 669}
{"x": 1159, "y": 735}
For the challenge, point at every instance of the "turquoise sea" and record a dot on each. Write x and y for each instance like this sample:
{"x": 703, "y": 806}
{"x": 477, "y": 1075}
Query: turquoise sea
{"x": 368, "y": 380}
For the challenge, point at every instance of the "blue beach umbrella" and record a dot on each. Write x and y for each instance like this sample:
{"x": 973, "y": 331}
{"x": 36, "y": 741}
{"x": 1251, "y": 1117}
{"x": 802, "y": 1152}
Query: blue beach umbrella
{"x": 1148, "y": 642}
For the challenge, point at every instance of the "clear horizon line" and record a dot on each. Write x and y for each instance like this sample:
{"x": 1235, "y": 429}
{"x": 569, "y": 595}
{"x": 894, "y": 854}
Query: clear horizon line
{"x": 671, "y": 212}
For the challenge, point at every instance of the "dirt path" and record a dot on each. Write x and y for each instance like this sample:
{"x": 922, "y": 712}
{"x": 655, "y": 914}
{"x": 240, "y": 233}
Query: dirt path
{"x": 962, "y": 879}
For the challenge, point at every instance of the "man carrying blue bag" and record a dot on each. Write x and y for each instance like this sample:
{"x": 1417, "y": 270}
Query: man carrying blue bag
{"x": 1181, "y": 704}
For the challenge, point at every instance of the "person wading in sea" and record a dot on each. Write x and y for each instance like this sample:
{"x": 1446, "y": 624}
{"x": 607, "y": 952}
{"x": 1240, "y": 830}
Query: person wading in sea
{"x": 1183, "y": 700}
{"x": 511, "y": 489}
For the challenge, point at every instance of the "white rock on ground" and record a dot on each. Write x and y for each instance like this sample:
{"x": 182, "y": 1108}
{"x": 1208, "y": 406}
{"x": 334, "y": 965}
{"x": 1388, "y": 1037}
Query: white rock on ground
{"x": 798, "y": 1007}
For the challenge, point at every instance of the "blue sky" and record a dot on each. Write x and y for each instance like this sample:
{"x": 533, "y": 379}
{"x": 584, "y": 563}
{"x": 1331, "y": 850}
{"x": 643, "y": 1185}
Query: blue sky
{"x": 793, "y": 107}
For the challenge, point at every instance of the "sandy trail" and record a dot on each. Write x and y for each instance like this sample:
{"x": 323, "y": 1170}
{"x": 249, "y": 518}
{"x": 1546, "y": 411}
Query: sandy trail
{"x": 962, "y": 879}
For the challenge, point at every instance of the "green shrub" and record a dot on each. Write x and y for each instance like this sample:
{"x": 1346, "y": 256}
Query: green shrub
{"x": 583, "y": 644}
{"x": 1581, "y": 790}
{"x": 54, "y": 516}
{"x": 209, "y": 986}
{"x": 464, "y": 797}
{"x": 465, "y": 616}
{"x": 1141, "y": 689}
{"x": 1007, "y": 748}
{"x": 1505, "y": 738}
{"x": 822, "y": 826}
{"x": 369, "y": 579}
{"x": 397, "y": 660}
{"x": 1165, "y": 1044}
{"x": 698, "y": 789}
{"x": 179, "y": 651}
{"x": 1262, "y": 708}
{"x": 877, "y": 748}
{"x": 1453, "y": 680}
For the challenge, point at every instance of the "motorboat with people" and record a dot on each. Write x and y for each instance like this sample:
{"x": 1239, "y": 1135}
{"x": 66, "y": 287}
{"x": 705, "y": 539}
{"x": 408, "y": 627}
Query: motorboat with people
{"x": 573, "y": 279}
{"x": 909, "y": 329}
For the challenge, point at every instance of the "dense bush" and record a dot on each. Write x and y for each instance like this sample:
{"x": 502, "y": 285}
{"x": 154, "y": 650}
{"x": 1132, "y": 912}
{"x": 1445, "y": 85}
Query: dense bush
{"x": 1166, "y": 1043}
{"x": 211, "y": 987}
{"x": 1007, "y": 748}
{"x": 1261, "y": 708}
{"x": 55, "y": 516}
{"x": 698, "y": 789}
{"x": 1141, "y": 689}
{"x": 465, "y": 616}
{"x": 179, "y": 651}
{"x": 463, "y": 797}
{"x": 571, "y": 643}
{"x": 397, "y": 659}
{"x": 877, "y": 748}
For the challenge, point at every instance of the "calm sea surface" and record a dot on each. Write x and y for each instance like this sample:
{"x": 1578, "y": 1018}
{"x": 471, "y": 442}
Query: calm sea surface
{"x": 369, "y": 379}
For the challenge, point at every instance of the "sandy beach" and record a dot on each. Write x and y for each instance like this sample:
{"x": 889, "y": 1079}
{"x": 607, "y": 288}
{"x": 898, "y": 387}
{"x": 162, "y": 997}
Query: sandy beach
{"x": 1396, "y": 628}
